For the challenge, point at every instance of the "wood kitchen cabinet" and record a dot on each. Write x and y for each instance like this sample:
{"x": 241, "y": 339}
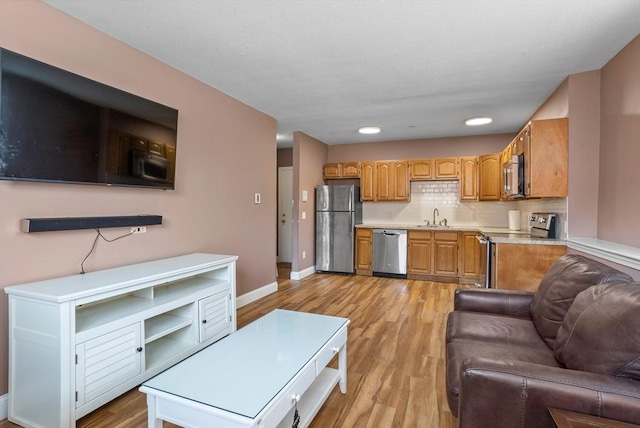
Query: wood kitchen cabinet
{"x": 419, "y": 252}
{"x": 368, "y": 181}
{"x": 341, "y": 170}
{"x": 469, "y": 178}
{"x": 392, "y": 181}
{"x": 489, "y": 168}
{"x": 546, "y": 175}
{"x": 522, "y": 266}
{"x": 421, "y": 169}
{"x": 445, "y": 253}
{"x": 446, "y": 168}
{"x": 363, "y": 251}
{"x": 471, "y": 265}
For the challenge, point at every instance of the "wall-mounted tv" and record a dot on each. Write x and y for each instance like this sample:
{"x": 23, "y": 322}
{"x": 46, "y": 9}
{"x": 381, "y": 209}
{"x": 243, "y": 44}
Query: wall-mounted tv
{"x": 56, "y": 126}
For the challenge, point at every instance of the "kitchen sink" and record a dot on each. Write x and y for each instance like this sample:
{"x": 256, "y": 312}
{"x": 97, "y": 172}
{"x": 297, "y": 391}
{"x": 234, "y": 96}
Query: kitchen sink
{"x": 424, "y": 226}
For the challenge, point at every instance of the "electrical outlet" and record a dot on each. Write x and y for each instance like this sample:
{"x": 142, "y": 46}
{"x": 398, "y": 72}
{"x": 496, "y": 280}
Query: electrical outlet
{"x": 304, "y": 254}
{"x": 139, "y": 229}
{"x": 304, "y": 215}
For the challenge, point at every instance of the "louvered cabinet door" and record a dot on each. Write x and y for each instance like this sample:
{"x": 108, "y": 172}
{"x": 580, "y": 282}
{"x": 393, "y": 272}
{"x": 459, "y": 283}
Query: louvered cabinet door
{"x": 107, "y": 361}
{"x": 215, "y": 316}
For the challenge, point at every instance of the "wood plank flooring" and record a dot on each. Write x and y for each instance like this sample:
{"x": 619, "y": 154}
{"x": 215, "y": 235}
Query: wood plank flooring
{"x": 395, "y": 351}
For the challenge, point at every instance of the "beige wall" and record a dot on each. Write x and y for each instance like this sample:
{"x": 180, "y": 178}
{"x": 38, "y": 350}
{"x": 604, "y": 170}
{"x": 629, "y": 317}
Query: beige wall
{"x": 619, "y": 191}
{"x": 424, "y": 148}
{"x": 308, "y": 156}
{"x": 226, "y": 153}
{"x": 604, "y": 147}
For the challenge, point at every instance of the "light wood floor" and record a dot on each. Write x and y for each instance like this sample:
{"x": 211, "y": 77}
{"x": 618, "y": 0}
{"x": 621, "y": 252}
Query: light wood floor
{"x": 395, "y": 352}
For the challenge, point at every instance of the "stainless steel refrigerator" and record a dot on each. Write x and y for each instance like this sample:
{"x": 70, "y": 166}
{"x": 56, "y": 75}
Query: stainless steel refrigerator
{"x": 338, "y": 210}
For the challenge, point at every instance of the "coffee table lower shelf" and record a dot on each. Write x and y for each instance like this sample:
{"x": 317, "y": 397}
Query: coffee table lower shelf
{"x": 313, "y": 399}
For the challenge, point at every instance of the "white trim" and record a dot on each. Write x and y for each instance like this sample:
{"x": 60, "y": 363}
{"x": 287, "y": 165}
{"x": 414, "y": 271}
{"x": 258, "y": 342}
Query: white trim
{"x": 303, "y": 273}
{"x": 4, "y": 406}
{"x": 617, "y": 253}
{"x": 256, "y": 294}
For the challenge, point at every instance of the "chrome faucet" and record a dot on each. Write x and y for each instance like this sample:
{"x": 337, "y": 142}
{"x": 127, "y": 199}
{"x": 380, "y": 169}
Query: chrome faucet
{"x": 435, "y": 210}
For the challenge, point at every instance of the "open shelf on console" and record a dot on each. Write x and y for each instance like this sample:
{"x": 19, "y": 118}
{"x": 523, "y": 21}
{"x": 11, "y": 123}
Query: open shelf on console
{"x": 96, "y": 314}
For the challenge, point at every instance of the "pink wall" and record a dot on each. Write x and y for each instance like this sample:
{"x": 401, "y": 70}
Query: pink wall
{"x": 584, "y": 147}
{"x": 619, "y": 193}
{"x": 308, "y": 156}
{"x": 415, "y": 149}
{"x": 226, "y": 153}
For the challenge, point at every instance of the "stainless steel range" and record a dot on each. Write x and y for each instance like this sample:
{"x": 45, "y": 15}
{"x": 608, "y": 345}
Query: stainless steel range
{"x": 544, "y": 225}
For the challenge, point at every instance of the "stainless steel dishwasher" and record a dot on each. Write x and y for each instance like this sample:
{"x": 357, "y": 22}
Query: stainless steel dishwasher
{"x": 390, "y": 253}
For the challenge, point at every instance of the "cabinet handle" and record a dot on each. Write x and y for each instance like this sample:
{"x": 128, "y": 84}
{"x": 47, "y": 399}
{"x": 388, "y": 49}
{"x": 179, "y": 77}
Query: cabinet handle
{"x": 139, "y": 349}
{"x": 204, "y": 321}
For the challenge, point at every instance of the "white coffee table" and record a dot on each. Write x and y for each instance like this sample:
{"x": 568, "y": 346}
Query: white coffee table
{"x": 256, "y": 376}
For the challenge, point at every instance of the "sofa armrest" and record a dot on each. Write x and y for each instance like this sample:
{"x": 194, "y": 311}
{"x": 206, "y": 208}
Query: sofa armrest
{"x": 496, "y": 394}
{"x": 502, "y": 302}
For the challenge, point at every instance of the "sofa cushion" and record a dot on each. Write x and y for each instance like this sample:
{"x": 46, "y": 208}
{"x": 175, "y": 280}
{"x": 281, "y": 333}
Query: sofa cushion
{"x": 601, "y": 332}
{"x": 489, "y": 328}
{"x": 567, "y": 276}
{"x": 460, "y": 353}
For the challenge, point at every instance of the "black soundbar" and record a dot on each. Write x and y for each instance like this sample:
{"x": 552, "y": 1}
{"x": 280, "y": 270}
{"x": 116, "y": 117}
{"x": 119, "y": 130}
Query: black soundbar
{"x": 29, "y": 225}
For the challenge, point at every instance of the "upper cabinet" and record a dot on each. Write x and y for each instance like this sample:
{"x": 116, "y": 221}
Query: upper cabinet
{"x": 446, "y": 168}
{"x": 489, "y": 168}
{"x": 547, "y": 160}
{"x": 469, "y": 178}
{"x": 434, "y": 169}
{"x": 392, "y": 181}
{"x": 341, "y": 170}
{"x": 421, "y": 169}
{"x": 368, "y": 182}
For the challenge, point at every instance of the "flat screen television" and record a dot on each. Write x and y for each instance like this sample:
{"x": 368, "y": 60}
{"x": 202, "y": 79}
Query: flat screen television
{"x": 56, "y": 126}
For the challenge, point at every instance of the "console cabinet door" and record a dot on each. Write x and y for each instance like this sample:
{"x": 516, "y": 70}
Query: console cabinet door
{"x": 107, "y": 361}
{"x": 215, "y": 316}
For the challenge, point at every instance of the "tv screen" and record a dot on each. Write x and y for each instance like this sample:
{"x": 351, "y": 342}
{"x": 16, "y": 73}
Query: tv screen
{"x": 57, "y": 126}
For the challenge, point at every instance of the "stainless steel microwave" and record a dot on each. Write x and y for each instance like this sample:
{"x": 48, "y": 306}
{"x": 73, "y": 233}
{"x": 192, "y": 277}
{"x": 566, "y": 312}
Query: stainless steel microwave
{"x": 149, "y": 166}
{"x": 513, "y": 177}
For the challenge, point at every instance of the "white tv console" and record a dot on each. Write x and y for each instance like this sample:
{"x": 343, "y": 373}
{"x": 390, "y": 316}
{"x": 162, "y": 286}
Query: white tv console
{"x": 76, "y": 343}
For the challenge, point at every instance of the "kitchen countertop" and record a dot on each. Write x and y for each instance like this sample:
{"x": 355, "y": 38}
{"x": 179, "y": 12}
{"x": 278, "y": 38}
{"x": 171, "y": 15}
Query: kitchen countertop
{"x": 500, "y": 235}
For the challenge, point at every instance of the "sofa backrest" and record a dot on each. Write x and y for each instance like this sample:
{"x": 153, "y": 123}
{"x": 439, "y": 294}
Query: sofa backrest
{"x": 601, "y": 331}
{"x": 567, "y": 276}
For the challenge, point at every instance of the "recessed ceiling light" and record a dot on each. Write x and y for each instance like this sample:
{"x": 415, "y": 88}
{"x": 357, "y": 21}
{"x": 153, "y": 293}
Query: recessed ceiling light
{"x": 475, "y": 121}
{"x": 369, "y": 129}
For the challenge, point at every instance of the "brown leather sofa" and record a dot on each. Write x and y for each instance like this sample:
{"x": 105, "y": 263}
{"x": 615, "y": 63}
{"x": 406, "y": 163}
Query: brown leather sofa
{"x": 574, "y": 344}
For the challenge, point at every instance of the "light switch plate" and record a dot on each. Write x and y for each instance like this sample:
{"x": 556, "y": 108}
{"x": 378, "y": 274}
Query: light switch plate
{"x": 305, "y": 196}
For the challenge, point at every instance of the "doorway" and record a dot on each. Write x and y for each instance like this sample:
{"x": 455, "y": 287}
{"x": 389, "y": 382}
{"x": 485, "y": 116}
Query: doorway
{"x": 285, "y": 213}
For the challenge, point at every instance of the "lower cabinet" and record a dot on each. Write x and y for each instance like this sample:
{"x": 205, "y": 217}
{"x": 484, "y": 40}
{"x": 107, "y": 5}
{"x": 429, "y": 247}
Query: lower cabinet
{"x": 472, "y": 265}
{"x": 420, "y": 252}
{"x": 83, "y": 340}
{"x": 363, "y": 251}
{"x": 107, "y": 361}
{"x": 433, "y": 254}
{"x": 522, "y": 266}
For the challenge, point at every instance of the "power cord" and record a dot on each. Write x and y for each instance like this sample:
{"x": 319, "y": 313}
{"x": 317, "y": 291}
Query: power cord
{"x": 95, "y": 241}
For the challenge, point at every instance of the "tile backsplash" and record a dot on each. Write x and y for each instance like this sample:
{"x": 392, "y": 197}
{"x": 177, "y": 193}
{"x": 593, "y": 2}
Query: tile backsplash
{"x": 444, "y": 195}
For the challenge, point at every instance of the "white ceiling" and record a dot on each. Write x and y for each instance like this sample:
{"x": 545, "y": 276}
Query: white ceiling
{"x": 417, "y": 68}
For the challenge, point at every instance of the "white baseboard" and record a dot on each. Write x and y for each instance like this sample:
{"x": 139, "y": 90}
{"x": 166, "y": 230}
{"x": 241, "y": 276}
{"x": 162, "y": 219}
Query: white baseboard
{"x": 303, "y": 273}
{"x": 254, "y": 295}
{"x": 4, "y": 406}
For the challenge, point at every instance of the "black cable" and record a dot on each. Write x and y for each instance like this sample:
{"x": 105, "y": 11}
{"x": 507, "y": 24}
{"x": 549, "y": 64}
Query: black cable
{"x": 95, "y": 241}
